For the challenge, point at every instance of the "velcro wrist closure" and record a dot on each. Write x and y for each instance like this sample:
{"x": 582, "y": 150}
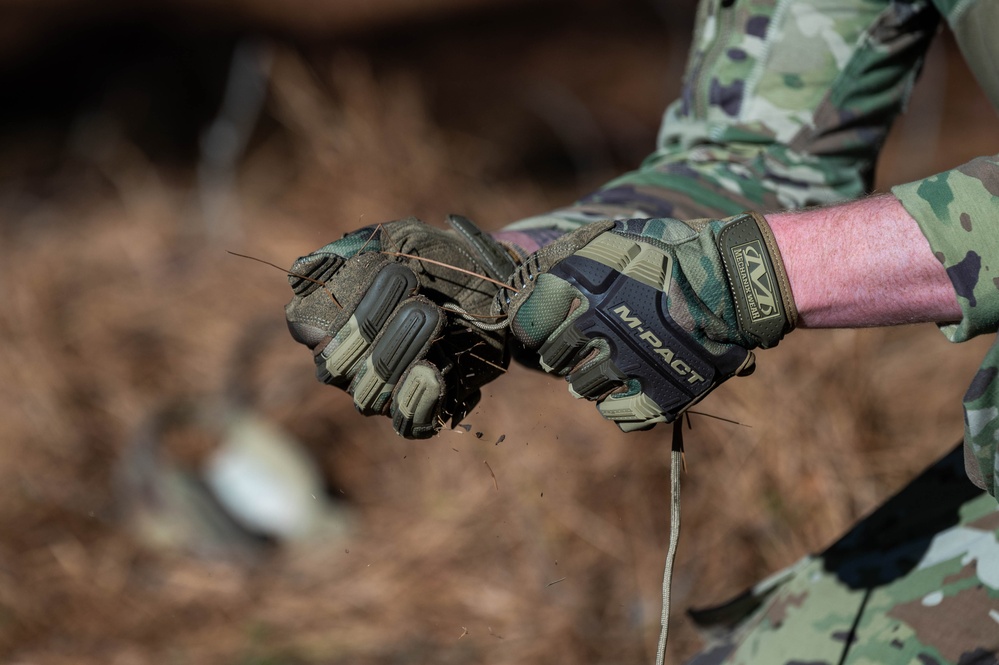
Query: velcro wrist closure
{"x": 496, "y": 259}
{"x": 764, "y": 307}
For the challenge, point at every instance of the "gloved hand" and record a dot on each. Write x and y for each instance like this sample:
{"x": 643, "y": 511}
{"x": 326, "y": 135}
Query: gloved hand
{"x": 407, "y": 336}
{"x": 647, "y": 316}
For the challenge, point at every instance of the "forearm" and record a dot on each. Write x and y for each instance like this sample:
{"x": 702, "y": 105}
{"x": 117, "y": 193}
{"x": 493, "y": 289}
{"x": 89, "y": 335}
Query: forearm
{"x": 860, "y": 264}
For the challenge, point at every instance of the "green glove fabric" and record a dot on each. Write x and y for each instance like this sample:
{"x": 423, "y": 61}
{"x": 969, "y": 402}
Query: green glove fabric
{"x": 407, "y": 335}
{"x": 647, "y": 316}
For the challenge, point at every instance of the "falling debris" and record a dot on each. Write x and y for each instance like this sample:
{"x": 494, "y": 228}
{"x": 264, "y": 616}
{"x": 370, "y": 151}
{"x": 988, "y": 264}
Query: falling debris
{"x": 555, "y": 582}
{"x": 501, "y": 439}
{"x": 464, "y": 631}
{"x": 478, "y": 435}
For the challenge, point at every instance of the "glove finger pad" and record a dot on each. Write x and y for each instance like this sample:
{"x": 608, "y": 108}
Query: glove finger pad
{"x": 416, "y": 404}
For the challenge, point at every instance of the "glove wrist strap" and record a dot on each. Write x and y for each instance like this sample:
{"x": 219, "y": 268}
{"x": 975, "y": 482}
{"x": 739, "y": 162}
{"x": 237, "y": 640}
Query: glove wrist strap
{"x": 755, "y": 270}
{"x": 496, "y": 259}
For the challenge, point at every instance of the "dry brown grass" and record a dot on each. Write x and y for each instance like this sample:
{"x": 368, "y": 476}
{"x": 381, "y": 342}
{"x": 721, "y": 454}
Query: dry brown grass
{"x": 117, "y": 302}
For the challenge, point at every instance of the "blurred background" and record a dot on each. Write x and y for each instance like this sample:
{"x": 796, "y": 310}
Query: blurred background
{"x": 150, "y": 391}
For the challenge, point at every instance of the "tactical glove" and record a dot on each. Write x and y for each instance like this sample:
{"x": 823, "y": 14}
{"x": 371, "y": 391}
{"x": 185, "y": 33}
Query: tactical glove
{"x": 398, "y": 316}
{"x": 647, "y": 316}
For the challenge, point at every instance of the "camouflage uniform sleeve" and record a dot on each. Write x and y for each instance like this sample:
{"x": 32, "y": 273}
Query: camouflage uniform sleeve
{"x": 784, "y": 104}
{"x": 956, "y": 211}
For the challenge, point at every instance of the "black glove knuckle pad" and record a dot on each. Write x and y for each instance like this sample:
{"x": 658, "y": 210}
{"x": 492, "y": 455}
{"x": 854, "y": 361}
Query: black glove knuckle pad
{"x": 597, "y": 380}
{"x": 405, "y": 339}
{"x": 560, "y": 353}
{"x": 310, "y": 272}
{"x": 393, "y": 283}
{"x": 645, "y": 343}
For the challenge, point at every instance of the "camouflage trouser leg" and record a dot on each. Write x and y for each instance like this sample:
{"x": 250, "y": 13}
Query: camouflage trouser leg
{"x": 917, "y": 581}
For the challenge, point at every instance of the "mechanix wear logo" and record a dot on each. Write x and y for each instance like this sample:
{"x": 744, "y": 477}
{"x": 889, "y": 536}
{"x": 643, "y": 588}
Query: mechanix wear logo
{"x": 657, "y": 345}
{"x": 756, "y": 281}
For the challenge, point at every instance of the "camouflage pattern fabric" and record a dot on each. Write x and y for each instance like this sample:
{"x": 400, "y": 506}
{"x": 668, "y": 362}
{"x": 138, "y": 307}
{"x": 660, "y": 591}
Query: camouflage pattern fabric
{"x": 915, "y": 582}
{"x": 701, "y": 287}
{"x": 785, "y": 104}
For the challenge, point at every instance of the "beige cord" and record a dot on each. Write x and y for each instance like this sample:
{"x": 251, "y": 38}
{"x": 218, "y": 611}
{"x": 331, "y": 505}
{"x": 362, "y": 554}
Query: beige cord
{"x": 676, "y": 465}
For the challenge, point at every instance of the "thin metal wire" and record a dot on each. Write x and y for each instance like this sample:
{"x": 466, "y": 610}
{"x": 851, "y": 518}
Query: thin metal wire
{"x": 676, "y": 466}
